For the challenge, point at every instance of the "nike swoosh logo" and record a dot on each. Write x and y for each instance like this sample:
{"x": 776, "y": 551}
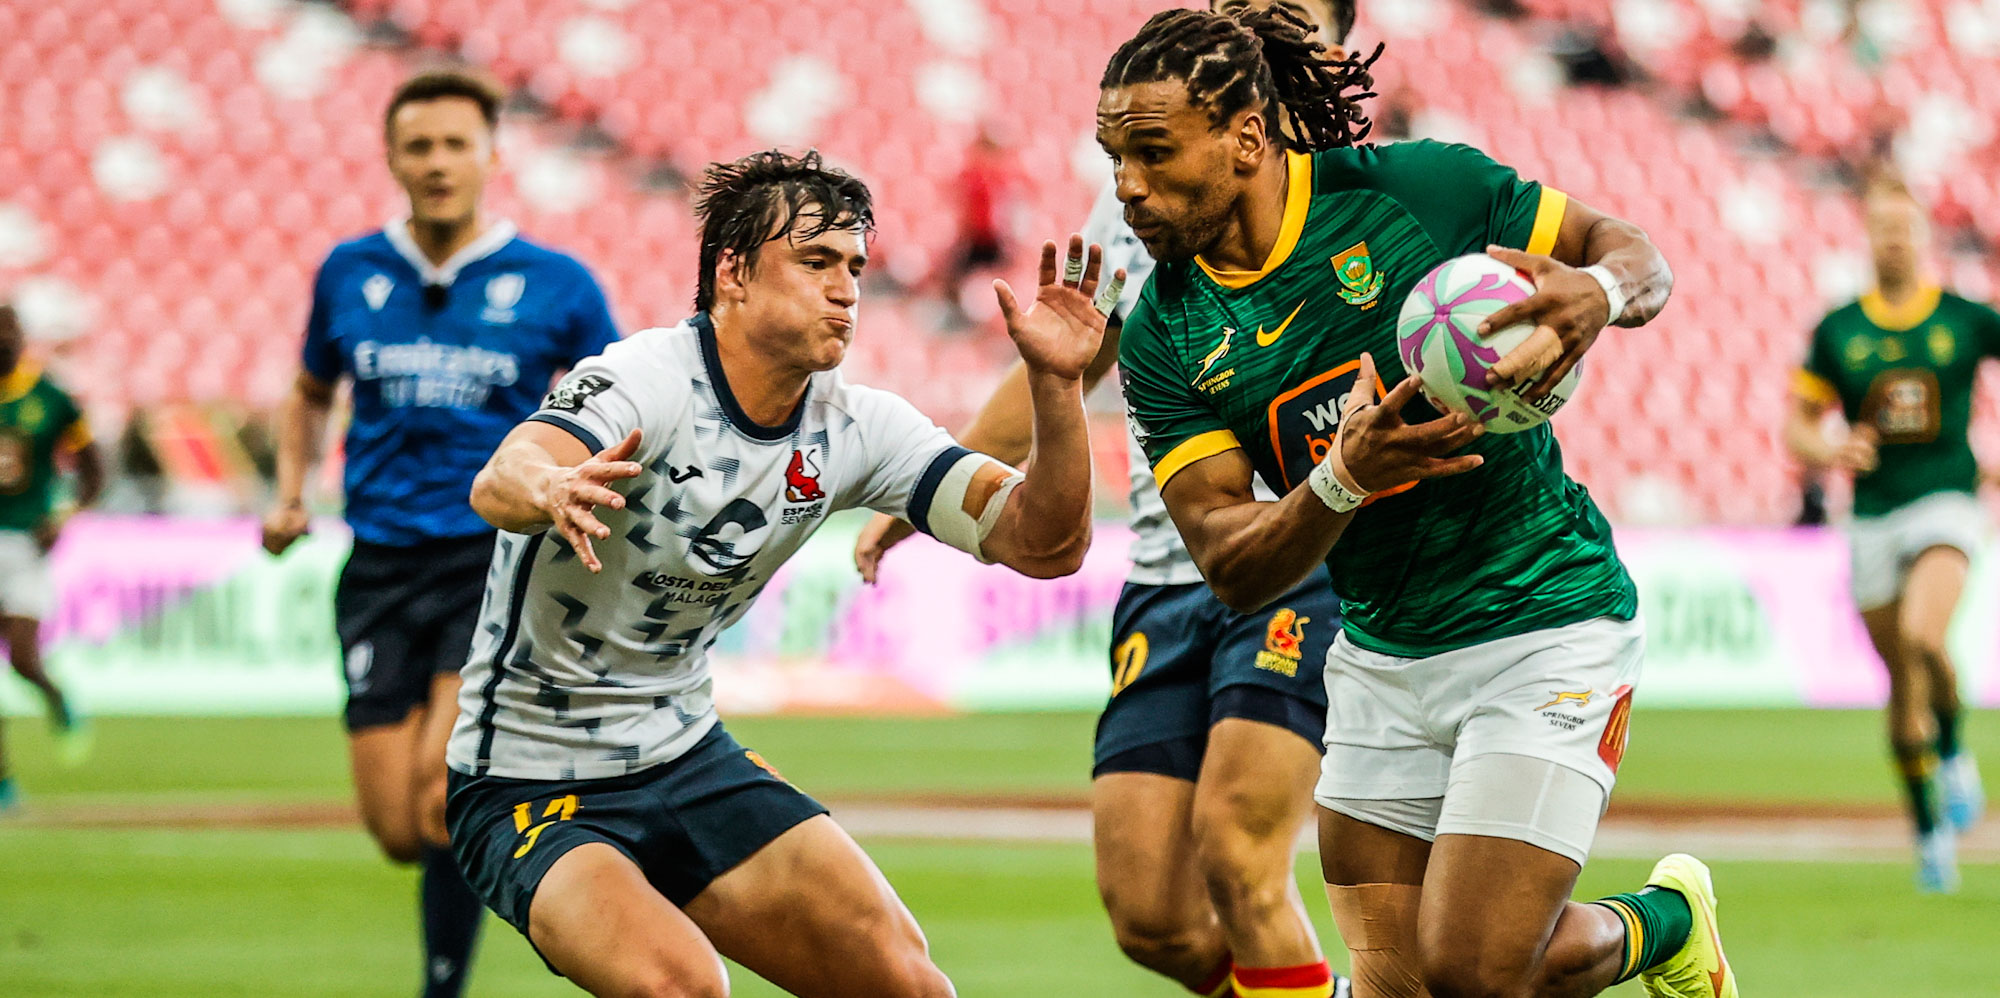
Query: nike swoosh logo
{"x": 1721, "y": 971}
{"x": 1264, "y": 339}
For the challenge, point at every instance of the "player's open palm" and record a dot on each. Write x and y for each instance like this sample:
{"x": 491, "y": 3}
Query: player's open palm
{"x": 573, "y": 494}
{"x": 1059, "y": 332}
{"x": 1381, "y": 451}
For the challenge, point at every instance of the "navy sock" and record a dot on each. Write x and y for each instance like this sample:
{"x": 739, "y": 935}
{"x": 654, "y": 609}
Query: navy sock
{"x": 452, "y": 914}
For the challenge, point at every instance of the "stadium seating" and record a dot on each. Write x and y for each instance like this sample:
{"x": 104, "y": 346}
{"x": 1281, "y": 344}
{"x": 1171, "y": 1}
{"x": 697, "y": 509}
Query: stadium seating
{"x": 184, "y": 164}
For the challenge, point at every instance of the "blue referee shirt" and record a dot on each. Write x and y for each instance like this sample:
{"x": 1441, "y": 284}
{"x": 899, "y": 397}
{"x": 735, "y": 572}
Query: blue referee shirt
{"x": 445, "y": 360}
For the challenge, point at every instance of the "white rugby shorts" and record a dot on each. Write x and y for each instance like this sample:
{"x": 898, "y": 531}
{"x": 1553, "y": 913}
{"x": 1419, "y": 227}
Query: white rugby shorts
{"x": 1881, "y": 549}
{"x": 1411, "y": 742}
{"x": 24, "y": 576}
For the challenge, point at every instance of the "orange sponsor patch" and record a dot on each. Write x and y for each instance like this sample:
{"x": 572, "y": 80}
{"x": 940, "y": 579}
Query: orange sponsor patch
{"x": 758, "y": 761}
{"x": 1611, "y": 748}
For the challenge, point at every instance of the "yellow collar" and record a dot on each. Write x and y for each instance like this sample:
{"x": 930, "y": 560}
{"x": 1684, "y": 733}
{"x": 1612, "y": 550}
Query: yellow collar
{"x": 1896, "y": 318}
{"x": 19, "y": 383}
{"x": 1298, "y": 198}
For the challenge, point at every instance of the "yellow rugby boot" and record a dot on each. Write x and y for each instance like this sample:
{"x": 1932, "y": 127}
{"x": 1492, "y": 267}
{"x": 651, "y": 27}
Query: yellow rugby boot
{"x": 1699, "y": 970}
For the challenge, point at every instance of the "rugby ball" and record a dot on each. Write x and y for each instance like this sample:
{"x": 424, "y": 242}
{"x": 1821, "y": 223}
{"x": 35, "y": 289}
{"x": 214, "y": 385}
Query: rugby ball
{"x": 1438, "y": 339}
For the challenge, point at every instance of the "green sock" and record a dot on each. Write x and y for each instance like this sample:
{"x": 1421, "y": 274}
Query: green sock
{"x": 1947, "y": 736}
{"x": 1657, "y": 922}
{"x": 1918, "y": 764}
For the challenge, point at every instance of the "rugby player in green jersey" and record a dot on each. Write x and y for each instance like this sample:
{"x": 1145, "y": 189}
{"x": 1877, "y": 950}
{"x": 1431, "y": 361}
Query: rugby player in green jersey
{"x": 1900, "y": 365}
{"x": 1208, "y": 748}
{"x": 1480, "y": 691}
{"x": 40, "y": 427}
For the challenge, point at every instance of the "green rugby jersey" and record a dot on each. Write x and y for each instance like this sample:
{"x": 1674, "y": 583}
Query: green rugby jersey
{"x": 1909, "y": 372}
{"x": 36, "y": 418}
{"x": 1259, "y": 360}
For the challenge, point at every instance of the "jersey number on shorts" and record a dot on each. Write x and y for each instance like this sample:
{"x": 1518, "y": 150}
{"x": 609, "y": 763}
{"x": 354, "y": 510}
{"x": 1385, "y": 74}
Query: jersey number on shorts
{"x": 560, "y": 809}
{"x": 1127, "y": 661}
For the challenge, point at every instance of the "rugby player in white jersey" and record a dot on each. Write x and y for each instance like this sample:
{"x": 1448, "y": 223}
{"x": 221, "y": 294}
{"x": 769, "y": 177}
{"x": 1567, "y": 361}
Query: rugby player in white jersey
{"x": 1207, "y": 753}
{"x": 596, "y": 802}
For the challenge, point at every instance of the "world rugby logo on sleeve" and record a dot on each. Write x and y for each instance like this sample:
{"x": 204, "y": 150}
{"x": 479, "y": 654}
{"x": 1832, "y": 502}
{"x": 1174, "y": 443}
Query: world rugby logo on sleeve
{"x": 570, "y": 395}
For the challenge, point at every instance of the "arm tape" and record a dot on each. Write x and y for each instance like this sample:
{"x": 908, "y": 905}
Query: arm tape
{"x": 950, "y": 523}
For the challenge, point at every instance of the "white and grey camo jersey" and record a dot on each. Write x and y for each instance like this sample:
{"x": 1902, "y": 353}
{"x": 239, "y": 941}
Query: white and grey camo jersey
{"x": 1159, "y": 556}
{"x": 575, "y": 675}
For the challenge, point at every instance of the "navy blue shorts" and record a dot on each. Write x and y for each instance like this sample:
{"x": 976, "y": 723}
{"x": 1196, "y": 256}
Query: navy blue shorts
{"x": 683, "y": 823}
{"x": 1182, "y": 661}
{"x": 405, "y": 615}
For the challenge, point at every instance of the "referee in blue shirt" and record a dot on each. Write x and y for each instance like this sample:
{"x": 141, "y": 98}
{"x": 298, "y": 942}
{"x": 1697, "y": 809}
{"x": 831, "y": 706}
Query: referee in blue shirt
{"x": 451, "y": 327}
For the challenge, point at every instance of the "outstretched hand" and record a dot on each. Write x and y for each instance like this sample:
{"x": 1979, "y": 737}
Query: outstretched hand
{"x": 572, "y": 495}
{"x": 1381, "y": 451}
{"x": 878, "y": 535}
{"x": 1059, "y": 332}
{"x": 1568, "y": 310}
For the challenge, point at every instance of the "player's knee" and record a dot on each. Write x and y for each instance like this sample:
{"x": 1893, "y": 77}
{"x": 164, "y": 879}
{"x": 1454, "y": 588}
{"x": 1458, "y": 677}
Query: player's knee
{"x": 1922, "y": 650}
{"x": 1156, "y": 939}
{"x": 675, "y": 982}
{"x": 1245, "y": 863}
{"x": 901, "y": 960}
{"x": 915, "y": 976}
{"x": 1452, "y": 971}
{"x": 430, "y": 814}
{"x": 399, "y": 844}
{"x": 401, "y": 850}
{"x": 1246, "y": 817}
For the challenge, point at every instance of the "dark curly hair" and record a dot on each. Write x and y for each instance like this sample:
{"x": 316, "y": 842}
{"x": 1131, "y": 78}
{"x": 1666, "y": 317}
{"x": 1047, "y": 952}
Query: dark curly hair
{"x": 747, "y": 203}
{"x": 1266, "y": 59}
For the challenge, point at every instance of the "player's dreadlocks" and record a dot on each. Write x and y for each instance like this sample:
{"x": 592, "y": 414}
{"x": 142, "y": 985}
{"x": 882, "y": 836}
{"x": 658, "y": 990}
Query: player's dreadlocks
{"x": 743, "y": 205}
{"x": 1267, "y": 59}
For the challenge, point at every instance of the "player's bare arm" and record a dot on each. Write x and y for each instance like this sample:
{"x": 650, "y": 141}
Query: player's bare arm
{"x": 1251, "y": 552}
{"x": 1043, "y": 529}
{"x": 87, "y": 461}
{"x": 1852, "y": 449}
{"x": 1599, "y": 264}
{"x": 543, "y": 477}
{"x": 301, "y": 433}
{"x": 1004, "y": 429}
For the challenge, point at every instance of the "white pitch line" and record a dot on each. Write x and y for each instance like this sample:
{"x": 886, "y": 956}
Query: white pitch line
{"x": 1753, "y": 839}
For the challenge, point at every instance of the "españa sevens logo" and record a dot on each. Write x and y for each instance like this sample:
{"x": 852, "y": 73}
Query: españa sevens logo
{"x": 1284, "y": 642}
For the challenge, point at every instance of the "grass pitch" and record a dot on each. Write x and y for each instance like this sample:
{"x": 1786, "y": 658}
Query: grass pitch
{"x": 312, "y": 911}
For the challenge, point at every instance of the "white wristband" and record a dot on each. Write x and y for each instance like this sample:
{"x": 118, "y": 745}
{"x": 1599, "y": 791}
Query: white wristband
{"x": 1614, "y": 295}
{"x": 1326, "y": 485}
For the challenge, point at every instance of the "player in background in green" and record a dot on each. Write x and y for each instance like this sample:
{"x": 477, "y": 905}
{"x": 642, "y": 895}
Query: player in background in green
{"x": 39, "y": 423}
{"x": 1480, "y": 691}
{"x": 1900, "y": 365}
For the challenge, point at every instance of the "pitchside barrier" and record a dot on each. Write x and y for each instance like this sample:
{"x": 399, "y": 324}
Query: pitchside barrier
{"x": 189, "y": 616}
